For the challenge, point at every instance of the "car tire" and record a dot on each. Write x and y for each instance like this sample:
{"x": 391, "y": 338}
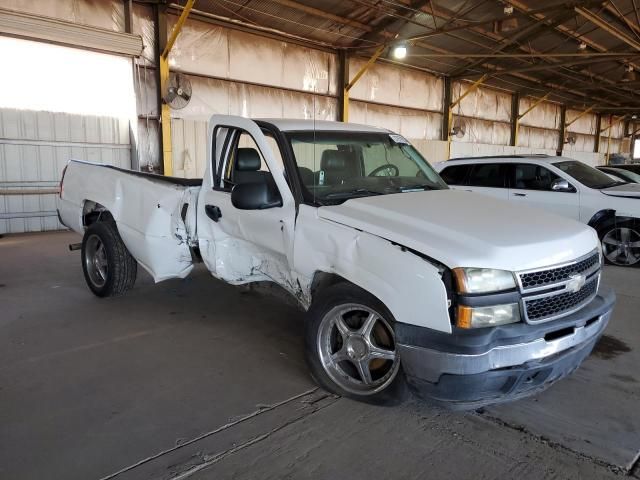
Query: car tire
{"x": 621, "y": 243}
{"x": 109, "y": 269}
{"x": 359, "y": 358}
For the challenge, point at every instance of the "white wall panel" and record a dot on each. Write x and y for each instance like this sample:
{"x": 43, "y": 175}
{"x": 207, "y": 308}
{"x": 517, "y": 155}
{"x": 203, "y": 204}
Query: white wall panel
{"x": 484, "y": 103}
{"x": 531, "y": 137}
{"x": 544, "y": 115}
{"x": 590, "y": 158}
{"x": 585, "y": 124}
{"x": 107, "y": 14}
{"x": 584, "y": 143}
{"x": 483, "y": 131}
{"x": 384, "y": 83}
{"x": 35, "y": 147}
{"x": 236, "y": 55}
{"x": 413, "y": 124}
{"x": 212, "y": 96}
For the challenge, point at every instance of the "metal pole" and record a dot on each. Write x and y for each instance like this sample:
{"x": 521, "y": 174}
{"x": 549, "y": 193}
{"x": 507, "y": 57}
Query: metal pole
{"x": 563, "y": 129}
{"x": 515, "y": 112}
{"x": 343, "y": 94}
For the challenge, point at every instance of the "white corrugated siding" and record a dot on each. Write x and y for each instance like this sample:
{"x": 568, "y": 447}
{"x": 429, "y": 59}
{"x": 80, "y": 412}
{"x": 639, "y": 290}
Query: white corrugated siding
{"x": 35, "y": 147}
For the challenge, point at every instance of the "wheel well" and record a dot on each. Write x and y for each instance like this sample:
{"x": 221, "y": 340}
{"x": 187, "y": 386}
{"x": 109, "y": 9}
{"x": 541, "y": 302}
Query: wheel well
{"x": 602, "y": 218}
{"x": 93, "y": 212}
{"x": 323, "y": 280}
{"x": 607, "y": 218}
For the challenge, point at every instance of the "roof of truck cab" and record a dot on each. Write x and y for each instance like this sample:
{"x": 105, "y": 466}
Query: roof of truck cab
{"x": 294, "y": 125}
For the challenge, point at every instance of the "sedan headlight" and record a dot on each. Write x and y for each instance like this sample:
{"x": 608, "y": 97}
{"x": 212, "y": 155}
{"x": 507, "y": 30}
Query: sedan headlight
{"x": 478, "y": 317}
{"x": 483, "y": 280}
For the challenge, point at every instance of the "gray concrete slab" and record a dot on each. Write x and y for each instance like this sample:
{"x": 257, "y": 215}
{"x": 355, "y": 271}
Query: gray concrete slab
{"x": 204, "y": 380}
{"x": 595, "y": 411}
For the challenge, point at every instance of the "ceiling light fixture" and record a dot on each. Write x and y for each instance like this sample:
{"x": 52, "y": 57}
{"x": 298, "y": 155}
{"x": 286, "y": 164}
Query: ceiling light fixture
{"x": 400, "y": 52}
{"x": 582, "y": 46}
{"x": 506, "y": 24}
{"x": 629, "y": 75}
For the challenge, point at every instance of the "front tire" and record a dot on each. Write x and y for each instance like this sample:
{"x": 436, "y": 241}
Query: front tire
{"x": 621, "y": 244}
{"x": 109, "y": 269}
{"x": 350, "y": 346}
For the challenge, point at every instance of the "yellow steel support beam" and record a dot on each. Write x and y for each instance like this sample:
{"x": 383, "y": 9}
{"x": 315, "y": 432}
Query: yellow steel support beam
{"x": 531, "y": 107}
{"x": 470, "y": 90}
{"x": 361, "y": 72}
{"x": 580, "y": 115}
{"x": 165, "y": 114}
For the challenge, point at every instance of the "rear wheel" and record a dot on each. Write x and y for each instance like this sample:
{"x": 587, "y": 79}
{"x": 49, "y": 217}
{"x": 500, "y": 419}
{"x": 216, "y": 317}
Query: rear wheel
{"x": 109, "y": 269}
{"x": 350, "y": 346}
{"x": 621, "y": 244}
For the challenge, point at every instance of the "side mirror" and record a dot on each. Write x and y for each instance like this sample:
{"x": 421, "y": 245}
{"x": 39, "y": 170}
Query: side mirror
{"x": 561, "y": 185}
{"x": 255, "y": 196}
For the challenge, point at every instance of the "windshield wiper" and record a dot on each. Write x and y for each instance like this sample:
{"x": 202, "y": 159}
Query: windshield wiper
{"x": 357, "y": 192}
{"x": 416, "y": 188}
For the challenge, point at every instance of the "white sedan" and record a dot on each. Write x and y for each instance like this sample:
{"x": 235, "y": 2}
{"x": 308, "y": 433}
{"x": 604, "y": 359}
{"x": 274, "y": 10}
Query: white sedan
{"x": 560, "y": 185}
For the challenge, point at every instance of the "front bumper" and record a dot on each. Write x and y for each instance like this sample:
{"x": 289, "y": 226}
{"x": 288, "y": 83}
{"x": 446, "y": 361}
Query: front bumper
{"x": 472, "y": 368}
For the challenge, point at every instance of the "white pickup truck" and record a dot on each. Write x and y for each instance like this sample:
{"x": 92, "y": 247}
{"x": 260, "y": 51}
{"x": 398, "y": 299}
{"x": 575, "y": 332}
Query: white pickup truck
{"x": 466, "y": 299}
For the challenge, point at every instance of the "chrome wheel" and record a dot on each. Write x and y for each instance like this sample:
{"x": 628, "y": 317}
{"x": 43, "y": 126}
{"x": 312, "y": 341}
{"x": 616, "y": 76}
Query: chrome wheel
{"x": 96, "y": 261}
{"x": 357, "y": 349}
{"x": 621, "y": 246}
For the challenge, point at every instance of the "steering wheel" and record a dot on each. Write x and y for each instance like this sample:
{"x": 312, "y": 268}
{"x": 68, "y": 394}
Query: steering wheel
{"x": 388, "y": 166}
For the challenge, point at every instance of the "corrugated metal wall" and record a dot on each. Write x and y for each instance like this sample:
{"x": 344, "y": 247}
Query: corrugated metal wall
{"x": 35, "y": 147}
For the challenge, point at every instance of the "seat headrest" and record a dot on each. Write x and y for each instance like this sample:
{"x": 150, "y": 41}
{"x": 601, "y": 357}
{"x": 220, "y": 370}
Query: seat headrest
{"x": 248, "y": 160}
{"x": 334, "y": 160}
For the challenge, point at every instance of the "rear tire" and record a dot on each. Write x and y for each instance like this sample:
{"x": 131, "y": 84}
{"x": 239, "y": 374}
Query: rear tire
{"x": 109, "y": 269}
{"x": 350, "y": 346}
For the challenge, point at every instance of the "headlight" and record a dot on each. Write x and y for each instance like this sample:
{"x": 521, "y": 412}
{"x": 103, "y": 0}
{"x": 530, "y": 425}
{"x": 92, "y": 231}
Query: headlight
{"x": 483, "y": 280}
{"x": 478, "y": 317}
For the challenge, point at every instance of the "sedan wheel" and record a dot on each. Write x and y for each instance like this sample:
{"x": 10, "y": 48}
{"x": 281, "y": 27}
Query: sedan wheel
{"x": 621, "y": 246}
{"x": 357, "y": 349}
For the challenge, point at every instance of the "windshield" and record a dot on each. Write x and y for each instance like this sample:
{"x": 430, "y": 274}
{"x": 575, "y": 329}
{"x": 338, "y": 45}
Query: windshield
{"x": 586, "y": 175}
{"x": 336, "y": 166}
{"x": 624, "y": 174}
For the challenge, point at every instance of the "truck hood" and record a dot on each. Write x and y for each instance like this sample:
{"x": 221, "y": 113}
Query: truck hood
{"x": 631, "y": 190}
{"x": 465, "y": 229}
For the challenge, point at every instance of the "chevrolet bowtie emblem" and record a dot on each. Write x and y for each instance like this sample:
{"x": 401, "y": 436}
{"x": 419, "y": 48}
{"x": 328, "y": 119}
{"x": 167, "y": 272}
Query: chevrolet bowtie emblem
{"x": 576, "y": 282}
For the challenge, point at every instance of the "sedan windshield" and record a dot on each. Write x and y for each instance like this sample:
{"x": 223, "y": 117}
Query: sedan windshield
{"x": 586, "y": 175}
{"x": 627, "y": 175}
{"x": 336, "y": 166}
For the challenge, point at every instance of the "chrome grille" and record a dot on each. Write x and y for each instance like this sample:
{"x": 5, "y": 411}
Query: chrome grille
{"x": 553, "y": 275}
{"x": 553, "y": 292}
{"x": 552, "y": 306}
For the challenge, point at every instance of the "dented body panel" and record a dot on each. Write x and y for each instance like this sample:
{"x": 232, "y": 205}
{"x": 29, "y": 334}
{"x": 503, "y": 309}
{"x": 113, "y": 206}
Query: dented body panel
{"x": 148, "y": 214}
{"x": 410, "y": 286}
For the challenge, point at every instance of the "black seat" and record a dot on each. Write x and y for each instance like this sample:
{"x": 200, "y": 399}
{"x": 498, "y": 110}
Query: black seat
{"x": 307, "y": 176}
{"x": 247, "y": 167}
{"x": 338, "y": 165}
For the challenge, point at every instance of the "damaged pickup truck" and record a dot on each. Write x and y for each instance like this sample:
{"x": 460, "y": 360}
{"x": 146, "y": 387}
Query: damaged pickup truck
{"x": 466, "y": 299}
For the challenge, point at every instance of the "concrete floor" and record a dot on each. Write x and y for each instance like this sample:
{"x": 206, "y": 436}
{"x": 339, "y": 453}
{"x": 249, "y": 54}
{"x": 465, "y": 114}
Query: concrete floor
{"x": 197, "y": 379}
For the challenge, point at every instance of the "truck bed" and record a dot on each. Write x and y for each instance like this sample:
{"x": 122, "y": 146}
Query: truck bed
{"x": 155, "y": 215}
